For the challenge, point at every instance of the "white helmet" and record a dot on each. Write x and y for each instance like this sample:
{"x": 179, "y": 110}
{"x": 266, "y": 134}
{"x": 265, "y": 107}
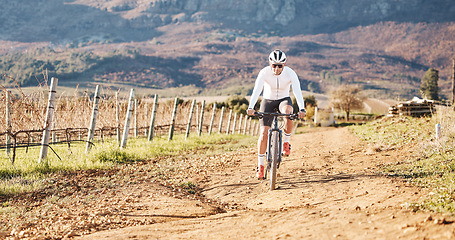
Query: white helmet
{"x": 277, "y": 57}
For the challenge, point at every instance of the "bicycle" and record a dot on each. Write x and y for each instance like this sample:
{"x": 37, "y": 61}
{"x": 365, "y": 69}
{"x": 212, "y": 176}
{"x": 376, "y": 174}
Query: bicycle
{"x": 274, "y": 145}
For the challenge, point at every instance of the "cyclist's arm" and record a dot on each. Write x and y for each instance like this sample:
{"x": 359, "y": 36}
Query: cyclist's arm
{"x": 295, "y": 83}
{"x": 258, "y": 86}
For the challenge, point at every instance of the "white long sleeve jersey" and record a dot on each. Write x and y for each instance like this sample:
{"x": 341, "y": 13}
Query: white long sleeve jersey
{"x": 276, "y": 86}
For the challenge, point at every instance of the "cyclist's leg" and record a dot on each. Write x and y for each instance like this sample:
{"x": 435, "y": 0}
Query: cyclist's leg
{"x": 265, "y": 124}
{"x": 286, "y": 107}
{"x": 263, "y": 137}
{"x": 262, "y": 146}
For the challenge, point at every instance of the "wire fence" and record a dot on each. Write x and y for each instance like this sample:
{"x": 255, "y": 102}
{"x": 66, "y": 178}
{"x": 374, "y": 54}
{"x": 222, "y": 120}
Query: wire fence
{"x": 22, "y": 119}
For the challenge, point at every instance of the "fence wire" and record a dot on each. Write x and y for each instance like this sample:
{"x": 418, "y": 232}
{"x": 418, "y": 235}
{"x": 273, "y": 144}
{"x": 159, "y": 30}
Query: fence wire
{"x": 72, "y": 114}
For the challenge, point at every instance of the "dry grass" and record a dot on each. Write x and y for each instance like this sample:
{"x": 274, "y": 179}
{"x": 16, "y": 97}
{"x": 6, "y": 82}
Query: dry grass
{"x": 432, "y": 166}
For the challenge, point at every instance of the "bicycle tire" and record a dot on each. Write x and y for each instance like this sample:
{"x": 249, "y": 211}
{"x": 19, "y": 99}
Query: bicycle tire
{"x": 275, "y": 155}
{"x": 267, "y": 168}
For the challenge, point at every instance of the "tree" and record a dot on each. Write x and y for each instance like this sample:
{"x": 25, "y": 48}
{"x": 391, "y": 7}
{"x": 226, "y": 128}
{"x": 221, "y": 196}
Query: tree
{"x": 429, "y": 87}
{"x": 310, "y": 104}
{"x": 237, "y": 103}
{"x": 347, "y": 98}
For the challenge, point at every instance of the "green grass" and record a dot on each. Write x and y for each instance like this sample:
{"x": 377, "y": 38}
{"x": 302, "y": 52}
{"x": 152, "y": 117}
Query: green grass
{"x": 433, "y": 163}
{"x": 27, "y": 174}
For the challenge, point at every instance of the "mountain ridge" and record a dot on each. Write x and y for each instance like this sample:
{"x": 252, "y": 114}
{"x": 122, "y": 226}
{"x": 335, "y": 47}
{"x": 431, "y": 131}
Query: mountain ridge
{"x": 126, "y": 20}
{"x": 222, "y": 45}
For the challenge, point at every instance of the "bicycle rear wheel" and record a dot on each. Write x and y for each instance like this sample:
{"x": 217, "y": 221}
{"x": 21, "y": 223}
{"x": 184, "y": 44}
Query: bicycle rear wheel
{"x": 275, "y": 155}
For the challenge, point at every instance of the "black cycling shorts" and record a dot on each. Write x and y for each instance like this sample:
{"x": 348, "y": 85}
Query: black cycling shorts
{"x": 268, "y": 105}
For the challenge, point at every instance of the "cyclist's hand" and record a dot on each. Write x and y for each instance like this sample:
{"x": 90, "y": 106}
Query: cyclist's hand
{"x": 302, "y": 114}
{"x": 250, "y": 112}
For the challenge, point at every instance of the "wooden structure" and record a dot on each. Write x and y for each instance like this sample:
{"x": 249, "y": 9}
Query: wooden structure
{"x": 323, "y": 117}
{"x": 415, "y": 108}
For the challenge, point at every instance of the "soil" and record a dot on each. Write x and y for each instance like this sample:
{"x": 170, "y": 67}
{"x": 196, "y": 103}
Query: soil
{"x": 331, "y": 187}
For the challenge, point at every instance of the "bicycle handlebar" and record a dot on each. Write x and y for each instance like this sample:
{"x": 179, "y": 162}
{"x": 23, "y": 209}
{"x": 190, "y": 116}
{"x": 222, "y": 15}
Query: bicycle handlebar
{"x": 291, "y": 116}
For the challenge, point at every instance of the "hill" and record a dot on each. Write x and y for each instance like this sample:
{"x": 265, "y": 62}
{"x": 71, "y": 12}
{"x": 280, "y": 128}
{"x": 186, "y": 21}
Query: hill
{"x": 217, "y": 47}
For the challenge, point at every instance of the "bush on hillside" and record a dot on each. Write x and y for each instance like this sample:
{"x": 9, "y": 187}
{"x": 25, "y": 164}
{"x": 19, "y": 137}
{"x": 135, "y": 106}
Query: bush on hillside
{"x": 238, "y": 104}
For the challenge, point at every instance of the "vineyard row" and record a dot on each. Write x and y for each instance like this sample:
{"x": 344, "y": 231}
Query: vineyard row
{"x": 27, "y": 120}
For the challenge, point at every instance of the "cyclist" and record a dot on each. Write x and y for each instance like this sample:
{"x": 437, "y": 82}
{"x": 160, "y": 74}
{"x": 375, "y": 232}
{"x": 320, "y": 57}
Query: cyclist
{"x": 276, "y": 80}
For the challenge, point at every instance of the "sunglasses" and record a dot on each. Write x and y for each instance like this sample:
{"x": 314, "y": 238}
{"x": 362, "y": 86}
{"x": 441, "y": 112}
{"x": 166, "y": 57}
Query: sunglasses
{"x": 277, "y": 66}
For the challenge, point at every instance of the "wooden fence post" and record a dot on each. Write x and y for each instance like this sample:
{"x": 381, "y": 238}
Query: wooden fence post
{"x": 250, "y": 125}
{"x": 8, "y": 122}
{"x": 234, "y": 125}
{"x": 240, "y": 123}
{"x": 253, "y": 126}
{"x": 174, "y": 115}
{"x": 213, "y": 118}
{"x": 258, "y": 131}
{"x": 117, "y": 117}
{"x": 229, "y": 122}
{"x": 129, "y": 112}
{"x": 91, "y": 129}
{"x": 188, "y": 127}
{"x": 152, "y": 119}
{"x": 136, "y": 130}
{"x": 244, "y": 124}
{"x": 197, "y": 115}
{"x": 201, "y": 123}
{"x": 221, "y": 120}
{"x": 146, "y": 117}
{"x": 48, "y": 121}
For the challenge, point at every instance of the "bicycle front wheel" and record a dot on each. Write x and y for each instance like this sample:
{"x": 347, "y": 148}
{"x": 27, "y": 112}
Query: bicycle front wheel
{"x": 275, "y": 155}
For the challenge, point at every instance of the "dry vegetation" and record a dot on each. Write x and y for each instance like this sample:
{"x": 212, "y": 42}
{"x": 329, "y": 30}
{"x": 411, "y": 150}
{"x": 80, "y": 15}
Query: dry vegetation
{"x": 73, "y": 114}
{"x": 156, "y": 178}
{"x": 431, "y": 165}
{"x": 387, "y": 59}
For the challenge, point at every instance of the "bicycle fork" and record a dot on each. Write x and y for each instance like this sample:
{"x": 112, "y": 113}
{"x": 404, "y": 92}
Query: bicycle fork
{"x": 269, "y": 147}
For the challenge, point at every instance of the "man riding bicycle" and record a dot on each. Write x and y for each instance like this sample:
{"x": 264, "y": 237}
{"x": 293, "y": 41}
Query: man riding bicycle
{"x": 276, "y": 80}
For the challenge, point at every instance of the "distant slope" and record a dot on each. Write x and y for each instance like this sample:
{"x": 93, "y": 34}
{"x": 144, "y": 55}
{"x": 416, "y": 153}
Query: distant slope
{"x": 218, "y": 47}
{"x": 134, "y": 20}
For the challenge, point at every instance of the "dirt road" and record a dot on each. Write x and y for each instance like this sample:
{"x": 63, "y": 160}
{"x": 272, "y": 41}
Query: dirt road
{"x": 329, "y": 188}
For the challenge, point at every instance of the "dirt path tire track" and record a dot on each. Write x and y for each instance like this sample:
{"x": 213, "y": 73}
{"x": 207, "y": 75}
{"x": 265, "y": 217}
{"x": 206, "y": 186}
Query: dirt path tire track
{"x": 329, "y": 188}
